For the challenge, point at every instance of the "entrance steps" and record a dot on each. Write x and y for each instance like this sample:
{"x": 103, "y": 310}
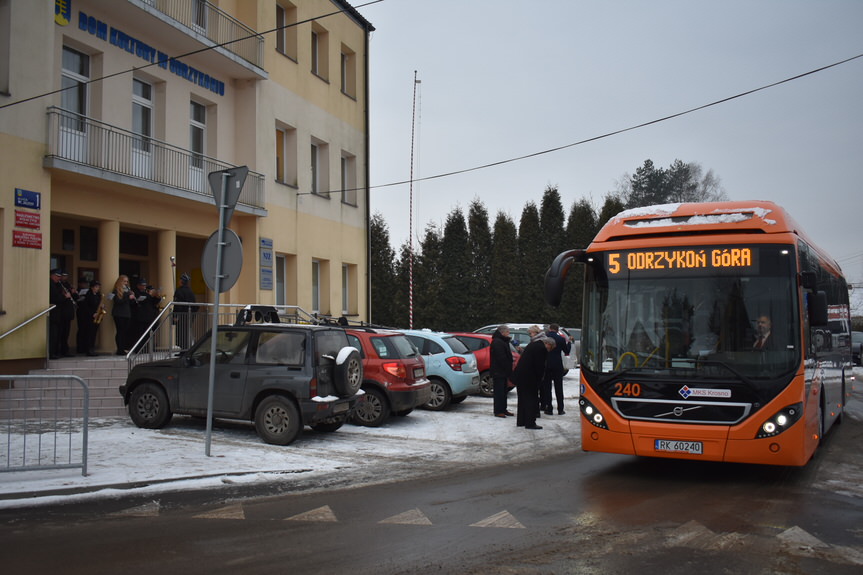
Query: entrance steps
{"x": 103, "y": 374}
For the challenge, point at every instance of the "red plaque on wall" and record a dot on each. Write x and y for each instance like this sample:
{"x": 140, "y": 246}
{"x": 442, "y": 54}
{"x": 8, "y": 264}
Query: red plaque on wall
{"x": 30, "y": 220}
{"x": 23, "y": 239}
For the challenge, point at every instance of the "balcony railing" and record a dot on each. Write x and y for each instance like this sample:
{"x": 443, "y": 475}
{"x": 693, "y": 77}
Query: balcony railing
{"x": 220, "y": 28}
{"x": 144, "y": 161}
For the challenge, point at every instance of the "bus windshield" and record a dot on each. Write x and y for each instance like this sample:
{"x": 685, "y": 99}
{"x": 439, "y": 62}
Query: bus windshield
{"x": 723, "y": 311}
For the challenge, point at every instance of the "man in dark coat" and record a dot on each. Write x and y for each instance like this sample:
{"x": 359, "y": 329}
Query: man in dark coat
{"x": 527, "y": 376}
{"x": 554, "y": 370}
{"x": 184, "y": 314}
{"x": 501, "y": 368}
{"x": 60, "y": 317}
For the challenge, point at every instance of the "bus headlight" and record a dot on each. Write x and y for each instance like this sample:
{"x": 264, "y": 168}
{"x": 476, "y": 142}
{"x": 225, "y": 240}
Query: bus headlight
{"x": 591, "y": 414}
{"x": 780, "y": 421}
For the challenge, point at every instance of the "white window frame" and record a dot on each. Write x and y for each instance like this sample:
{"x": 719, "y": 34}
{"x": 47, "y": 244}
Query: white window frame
{"x": 349, "y": 178}
{"x": 197, "y": 126}
{"x": 346, "y": 289}
{"x": 280, "y": 280}
{"x": 142, "y": 114}
{"x": 286, "y": 155}
{"x": 316, "y": 286}
{"x": 320, "y": 168}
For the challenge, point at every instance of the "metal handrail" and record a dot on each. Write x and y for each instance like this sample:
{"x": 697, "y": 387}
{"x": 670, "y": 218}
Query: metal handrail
{"x": 177, "y": 326}
{"x": 213, "y": 25}
{"x": 25, "y": 322}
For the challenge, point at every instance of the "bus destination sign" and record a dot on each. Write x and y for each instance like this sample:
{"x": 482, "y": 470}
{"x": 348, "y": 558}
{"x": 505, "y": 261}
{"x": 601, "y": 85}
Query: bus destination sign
{"x": 673, "y": 260}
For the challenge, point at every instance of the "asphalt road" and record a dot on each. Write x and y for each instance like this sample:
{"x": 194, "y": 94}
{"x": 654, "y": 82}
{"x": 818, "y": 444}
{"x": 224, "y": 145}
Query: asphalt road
{"x": 571, "y": 513}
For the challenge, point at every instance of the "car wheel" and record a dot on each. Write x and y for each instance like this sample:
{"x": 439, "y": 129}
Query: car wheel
{"x": 349, "y": 372}
{"x": 373, "y": 411}
{"x": 329, "y": 426}
{"x": 277, "y": 420}
{"x": 440, "y": 396}
{"x": 148, "y": 406}
{"x": 486, "y": 384}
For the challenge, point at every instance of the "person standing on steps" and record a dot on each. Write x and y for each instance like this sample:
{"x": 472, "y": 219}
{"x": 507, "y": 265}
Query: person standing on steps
{"x": 184, "y": 314}
{"x": 122, "y": 297}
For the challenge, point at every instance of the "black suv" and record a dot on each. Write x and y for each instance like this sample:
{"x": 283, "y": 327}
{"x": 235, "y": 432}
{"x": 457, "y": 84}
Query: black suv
{"x": 280, "y": 376}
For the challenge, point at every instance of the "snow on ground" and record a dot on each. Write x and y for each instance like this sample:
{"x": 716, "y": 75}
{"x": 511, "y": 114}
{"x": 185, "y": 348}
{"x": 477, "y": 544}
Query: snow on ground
{"x": 125, "y": 460}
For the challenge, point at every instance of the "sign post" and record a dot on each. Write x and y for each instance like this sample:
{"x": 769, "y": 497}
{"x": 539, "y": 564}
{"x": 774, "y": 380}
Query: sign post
{"x": 226, "y": 186}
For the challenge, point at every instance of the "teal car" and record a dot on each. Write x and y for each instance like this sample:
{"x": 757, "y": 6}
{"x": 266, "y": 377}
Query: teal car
{"x": 450, "y": 366}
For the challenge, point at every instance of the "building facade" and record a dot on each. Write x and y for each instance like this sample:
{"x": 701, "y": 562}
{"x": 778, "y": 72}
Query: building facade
{"x": 114, "y": 112}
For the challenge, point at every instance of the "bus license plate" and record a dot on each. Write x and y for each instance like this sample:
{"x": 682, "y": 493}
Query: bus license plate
{"x": 694, "y": 447}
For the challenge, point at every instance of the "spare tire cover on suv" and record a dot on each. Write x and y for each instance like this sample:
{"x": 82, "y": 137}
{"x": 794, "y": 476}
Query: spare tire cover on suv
{"x": 348, "y": 376}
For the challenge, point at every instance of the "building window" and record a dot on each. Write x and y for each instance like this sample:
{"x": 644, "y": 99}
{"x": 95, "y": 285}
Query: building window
{"x": 316, "y": 286}
{"x": 349, "y": 179}
{"x": 197, "y": 133}
{"x": 320, "y": 51}
{"x": 320, "y": 183}
{"x": 199, "y": 15}
{"x": 5, "y": 46}
{"x": 75, "y": 76}
{"x": 286, "y": 29}
{"x": 142, "y": 114}
{"x": 280, "y": 281}
{"x": 286, "y": 155}
{"x": 349, "y": 72}
{"x": 346, "y": 289}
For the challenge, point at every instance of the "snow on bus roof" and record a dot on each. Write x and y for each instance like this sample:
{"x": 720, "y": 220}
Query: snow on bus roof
{"x": 660, "y": 216}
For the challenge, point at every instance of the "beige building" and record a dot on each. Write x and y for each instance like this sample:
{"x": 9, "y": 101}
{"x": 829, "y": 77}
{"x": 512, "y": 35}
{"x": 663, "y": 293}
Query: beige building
{"x": 114, "y": 112}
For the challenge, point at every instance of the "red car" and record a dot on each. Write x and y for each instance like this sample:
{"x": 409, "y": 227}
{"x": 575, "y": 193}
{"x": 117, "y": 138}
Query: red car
{"x": 394, "y": 375}
{"x": 480, "y": 345}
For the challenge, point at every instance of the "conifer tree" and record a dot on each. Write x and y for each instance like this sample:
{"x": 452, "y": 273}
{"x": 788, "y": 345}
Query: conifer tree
{"x": 504, "y": 278}
{"x": 551, "y": 223}
{"x": 382, "y": 269}
{"x": 456, "y": 274}
{"x": 532, "y": 266}
{"x": 427, "y": 288}
{"x": 580, "y": 230}
{"x": 479, "y": 295}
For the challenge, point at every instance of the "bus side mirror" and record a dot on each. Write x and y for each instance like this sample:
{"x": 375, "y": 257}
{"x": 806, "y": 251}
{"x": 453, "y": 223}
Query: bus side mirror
{"x": 817, "y": 308}
{"x": 556, "y": 274}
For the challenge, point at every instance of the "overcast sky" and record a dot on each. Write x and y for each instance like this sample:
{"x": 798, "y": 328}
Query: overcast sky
{"x": 502, "y": 79}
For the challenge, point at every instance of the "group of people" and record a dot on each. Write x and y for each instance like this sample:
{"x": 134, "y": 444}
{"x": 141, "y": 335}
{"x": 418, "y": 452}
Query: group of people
{"x": 133, "y": 310}
{"x": 538, "y": 370}
{"x": 83, "y": 304}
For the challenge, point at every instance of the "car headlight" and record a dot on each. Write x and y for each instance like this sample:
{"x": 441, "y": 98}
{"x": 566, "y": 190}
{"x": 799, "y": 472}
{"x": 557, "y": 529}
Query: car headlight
{"x": 780, "y": 421}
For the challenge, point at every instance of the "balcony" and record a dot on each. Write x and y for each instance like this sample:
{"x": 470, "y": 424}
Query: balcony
{"x": 86, "y": 146}
{"x": 211, "y": 27}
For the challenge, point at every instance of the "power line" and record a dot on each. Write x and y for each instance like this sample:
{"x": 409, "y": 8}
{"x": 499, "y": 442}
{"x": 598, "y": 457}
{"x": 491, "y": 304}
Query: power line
{"x": 624, "y": 130}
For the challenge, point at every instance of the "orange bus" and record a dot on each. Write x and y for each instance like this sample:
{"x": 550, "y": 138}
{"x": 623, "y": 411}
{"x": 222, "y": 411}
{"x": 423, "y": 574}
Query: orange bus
{"x": 713, "y": 331}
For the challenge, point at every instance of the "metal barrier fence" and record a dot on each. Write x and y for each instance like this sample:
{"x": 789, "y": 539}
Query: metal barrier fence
{"x": 46, "y": 420}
